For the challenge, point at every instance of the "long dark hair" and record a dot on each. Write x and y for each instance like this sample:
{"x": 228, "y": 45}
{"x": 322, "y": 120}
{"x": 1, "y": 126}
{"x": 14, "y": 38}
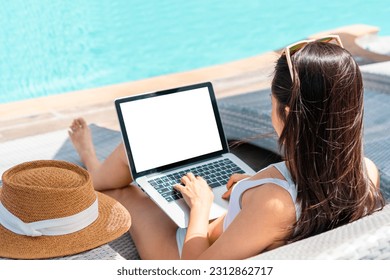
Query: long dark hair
{"x": 322, "y": 137}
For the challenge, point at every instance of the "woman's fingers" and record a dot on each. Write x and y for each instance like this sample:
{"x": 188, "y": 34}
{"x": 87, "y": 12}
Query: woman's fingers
{"x": 179, "y": 187}
{"x": 226, "y": 195}
{"x": 232, "y": 181}
{"x": 195, "y": 190}
{"x": 189, "y": 181}
{"x": 189, "y": 177}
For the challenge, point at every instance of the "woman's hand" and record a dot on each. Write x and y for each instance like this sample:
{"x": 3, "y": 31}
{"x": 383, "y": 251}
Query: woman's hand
{"x": 232, "y": 181}
{"x": 196, "y": 191}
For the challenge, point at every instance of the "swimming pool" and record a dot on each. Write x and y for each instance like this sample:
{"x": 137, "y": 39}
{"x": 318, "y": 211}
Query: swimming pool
{"x": 52, "y": 46}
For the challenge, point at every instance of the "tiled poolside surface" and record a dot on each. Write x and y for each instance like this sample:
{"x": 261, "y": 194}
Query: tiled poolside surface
{"x": 35, "y": 116}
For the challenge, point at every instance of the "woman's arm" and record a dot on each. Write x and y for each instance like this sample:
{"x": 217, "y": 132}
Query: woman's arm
{"x": 199, "y": 198}
{"x": 267, "y": 215}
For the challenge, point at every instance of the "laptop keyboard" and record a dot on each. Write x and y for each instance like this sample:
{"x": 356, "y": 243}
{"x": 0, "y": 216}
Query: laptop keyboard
{"x": 216, "y": 174}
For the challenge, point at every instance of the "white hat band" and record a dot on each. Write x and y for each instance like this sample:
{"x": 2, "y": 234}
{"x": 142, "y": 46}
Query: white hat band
{"x": 58, "y": 226}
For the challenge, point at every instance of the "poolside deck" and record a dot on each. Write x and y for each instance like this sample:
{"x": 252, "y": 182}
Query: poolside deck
{"x": 40, "y": 115}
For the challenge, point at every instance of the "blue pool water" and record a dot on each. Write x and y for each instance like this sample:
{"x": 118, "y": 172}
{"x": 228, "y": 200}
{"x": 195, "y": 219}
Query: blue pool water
{"x": 52, "y": 46}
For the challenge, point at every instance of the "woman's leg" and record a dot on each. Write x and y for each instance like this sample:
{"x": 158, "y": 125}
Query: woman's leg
{"x": 153, "y": 232}
{"x": 102, "y": 173}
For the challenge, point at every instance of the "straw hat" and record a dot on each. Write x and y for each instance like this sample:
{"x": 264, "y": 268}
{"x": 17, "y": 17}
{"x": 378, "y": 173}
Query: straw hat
{"x": 49, "y": 208}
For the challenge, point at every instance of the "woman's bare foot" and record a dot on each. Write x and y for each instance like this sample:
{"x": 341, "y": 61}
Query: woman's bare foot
{"x": 81, "y": 137}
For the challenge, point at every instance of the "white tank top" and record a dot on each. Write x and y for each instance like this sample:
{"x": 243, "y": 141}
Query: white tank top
{"x": 246, "y": 184}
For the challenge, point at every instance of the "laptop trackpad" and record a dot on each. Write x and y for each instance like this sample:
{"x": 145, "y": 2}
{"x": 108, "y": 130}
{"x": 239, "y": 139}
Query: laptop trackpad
{"x": 218, "y": 192}
{"x": 220, "y": 205}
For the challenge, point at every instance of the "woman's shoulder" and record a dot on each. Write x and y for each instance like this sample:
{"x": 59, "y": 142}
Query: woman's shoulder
{"x": 372, "y": 171}
{"x": 275, "y": 170}
{"x": 274, "y": 193}
{"x": 273, "y": 204}
{"x": 270, "y": 193}
{"x": 279, "y": 191}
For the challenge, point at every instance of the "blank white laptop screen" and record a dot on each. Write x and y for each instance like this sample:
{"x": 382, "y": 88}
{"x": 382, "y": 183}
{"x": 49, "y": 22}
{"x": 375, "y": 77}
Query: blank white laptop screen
{"x": 170, "y": 128}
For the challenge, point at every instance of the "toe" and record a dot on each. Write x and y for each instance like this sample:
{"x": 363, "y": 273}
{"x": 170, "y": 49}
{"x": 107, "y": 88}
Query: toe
{"x": 82, "y": 122}
{"x": 73, "y": 124}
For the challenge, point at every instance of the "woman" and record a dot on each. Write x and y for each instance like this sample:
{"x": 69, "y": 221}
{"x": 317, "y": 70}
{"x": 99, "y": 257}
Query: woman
{"x": 323, "y": 182}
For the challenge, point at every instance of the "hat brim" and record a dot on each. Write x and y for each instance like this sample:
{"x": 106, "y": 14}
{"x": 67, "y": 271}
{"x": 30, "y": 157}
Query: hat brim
{"x": 113, "y": 221}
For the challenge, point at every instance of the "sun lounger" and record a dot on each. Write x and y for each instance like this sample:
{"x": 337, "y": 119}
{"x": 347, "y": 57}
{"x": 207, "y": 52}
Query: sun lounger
{"x": 367, "y": 238}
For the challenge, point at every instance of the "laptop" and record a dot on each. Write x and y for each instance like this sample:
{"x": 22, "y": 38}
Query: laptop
{"x": 171, "y": 132}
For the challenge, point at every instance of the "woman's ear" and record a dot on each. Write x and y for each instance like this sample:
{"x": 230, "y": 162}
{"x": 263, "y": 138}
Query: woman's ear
{"x": 287, "y": 110}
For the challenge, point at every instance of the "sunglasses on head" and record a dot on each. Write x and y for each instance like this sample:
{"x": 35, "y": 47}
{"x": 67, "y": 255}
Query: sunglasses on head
{"x": 293, "y": 48}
